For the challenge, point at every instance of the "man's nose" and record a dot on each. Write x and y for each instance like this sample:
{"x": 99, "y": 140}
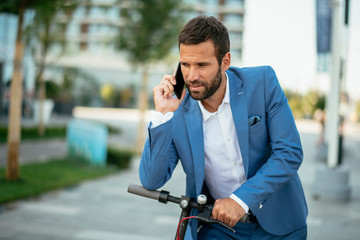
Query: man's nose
{"x": 193, "y": 74}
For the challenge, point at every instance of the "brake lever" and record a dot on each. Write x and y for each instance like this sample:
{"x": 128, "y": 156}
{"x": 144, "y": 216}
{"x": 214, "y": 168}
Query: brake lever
{"x": 205, "y": 216}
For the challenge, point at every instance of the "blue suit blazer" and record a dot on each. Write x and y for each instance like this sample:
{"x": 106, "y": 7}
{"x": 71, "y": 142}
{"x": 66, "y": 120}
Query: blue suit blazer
{"x": 271, "y": 150}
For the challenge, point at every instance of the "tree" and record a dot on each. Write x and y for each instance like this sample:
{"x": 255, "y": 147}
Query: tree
{"x": 12, "y": 167}
{"x": 149, "y": 33}
{"x": 16, "y": 7}
{"x": 41, "y": 35}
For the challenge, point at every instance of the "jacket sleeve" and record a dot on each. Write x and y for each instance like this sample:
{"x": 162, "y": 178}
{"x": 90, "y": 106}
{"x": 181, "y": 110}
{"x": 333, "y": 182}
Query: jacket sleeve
{"x": 159, "y": 157}
{"x": 286, "y": 151}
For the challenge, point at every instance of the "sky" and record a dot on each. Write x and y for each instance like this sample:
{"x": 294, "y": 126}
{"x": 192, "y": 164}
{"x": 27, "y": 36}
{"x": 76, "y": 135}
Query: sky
{"x": 282, "y": 34}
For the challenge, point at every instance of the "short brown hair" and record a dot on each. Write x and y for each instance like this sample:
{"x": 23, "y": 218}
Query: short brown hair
{"x": 203, "y": 28}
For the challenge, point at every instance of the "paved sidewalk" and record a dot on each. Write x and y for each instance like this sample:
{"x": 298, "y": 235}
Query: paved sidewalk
{"x": 42, "y": 150}
{"x": 36, "y": 151}
{"x": 103, "y": 210}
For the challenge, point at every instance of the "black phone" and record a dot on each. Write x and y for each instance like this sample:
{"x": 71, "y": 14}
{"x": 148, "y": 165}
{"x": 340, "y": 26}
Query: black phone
{"x": 179, "y": 87}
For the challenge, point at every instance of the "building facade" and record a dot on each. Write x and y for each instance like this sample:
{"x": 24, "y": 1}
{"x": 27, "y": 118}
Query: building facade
{"x": 89, "y": 45}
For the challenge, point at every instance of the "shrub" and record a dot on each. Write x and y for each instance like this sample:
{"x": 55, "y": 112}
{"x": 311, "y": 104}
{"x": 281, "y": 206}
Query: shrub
{"x": 119, "y": 157}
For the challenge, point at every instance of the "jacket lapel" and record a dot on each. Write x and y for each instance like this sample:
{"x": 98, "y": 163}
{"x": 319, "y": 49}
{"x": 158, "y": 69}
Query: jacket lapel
{"x": 240, "y": 115}
{"x": 194, "y": 126}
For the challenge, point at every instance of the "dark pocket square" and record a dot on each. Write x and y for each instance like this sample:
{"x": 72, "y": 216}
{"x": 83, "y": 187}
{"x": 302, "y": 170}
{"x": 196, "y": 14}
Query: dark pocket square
{"x": 253, "y": 120}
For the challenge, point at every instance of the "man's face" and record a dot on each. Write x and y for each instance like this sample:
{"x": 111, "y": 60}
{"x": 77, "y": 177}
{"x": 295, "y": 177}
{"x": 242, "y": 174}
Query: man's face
{"x": 201, "y": 70}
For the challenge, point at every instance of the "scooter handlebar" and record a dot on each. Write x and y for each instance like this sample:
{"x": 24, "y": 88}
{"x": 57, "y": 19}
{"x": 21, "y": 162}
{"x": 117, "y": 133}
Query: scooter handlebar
{"x": 164, "y": 197}
{"x": 141, "y": 191}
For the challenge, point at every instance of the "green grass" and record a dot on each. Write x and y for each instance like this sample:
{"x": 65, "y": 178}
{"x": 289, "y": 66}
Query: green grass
{"x": 31, "y": 133}
{"x": 37, "y": 178}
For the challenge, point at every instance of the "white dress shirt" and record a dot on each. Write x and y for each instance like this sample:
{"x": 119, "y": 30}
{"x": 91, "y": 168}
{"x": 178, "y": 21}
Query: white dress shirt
{"x": 224, "y": 169}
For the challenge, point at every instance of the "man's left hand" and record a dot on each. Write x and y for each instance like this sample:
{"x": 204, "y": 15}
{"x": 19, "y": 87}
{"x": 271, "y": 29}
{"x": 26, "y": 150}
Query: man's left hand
{"x": 227, "y": 211}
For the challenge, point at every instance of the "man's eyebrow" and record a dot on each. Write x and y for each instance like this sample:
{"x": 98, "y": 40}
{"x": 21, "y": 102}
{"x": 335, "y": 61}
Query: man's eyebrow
{"x": 197, "y": 63}
{"x": 203, "y": 63}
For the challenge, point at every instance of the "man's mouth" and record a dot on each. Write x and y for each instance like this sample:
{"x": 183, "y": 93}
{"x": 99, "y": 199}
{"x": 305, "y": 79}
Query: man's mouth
{"x": 195, "y": 87}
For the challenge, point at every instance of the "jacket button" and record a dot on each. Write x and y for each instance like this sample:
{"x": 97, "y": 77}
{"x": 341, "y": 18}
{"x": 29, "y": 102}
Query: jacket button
{"x": 260, "y": 207}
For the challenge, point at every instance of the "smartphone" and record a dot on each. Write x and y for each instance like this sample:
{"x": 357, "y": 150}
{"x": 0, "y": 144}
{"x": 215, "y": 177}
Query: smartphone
{"x": 179, "y": 87}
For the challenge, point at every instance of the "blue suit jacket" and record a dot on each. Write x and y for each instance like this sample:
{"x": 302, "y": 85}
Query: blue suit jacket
{"x": 271, "y": 150}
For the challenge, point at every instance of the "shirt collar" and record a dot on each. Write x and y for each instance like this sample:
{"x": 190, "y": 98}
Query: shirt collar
{"x": 205, "y": 113}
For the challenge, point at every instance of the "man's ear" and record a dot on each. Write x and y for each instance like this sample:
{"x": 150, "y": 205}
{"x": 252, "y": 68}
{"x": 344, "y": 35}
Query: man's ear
{"x": 226, "y": 61}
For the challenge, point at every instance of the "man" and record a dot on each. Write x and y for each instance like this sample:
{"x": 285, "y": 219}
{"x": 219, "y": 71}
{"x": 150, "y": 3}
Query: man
{"x": 235, "y": 136}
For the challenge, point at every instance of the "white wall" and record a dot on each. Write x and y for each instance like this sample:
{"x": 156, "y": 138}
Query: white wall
{"x": 282, "y": 33}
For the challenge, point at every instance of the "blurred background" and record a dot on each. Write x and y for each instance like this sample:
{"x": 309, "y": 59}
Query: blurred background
{"x": 85, "y": 65}
{"x": 76, "y": 79}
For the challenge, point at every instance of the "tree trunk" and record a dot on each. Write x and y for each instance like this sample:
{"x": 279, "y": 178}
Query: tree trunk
{"x": 42, "y": 93}
{"x": 42, "y": 88}
{"x": 14, "y": 133}
{"x": 143, "y": 106}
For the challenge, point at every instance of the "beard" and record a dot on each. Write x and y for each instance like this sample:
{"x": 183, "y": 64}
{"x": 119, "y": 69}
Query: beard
{"x": 210, "y": 88}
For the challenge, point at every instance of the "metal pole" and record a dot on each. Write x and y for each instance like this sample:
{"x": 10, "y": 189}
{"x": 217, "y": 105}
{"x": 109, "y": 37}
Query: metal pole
{"x": 332, "y": 181}
{"x": 334, "y": 100}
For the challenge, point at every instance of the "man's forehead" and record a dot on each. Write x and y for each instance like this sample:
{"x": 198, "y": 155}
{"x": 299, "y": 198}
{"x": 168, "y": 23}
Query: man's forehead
{"x": 207, "y": 43}
{"x": 203, "y": 50}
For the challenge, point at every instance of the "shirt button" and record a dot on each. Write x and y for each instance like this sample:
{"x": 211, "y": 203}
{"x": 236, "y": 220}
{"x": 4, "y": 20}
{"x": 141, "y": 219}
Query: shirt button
{"x": 228, "y": 139}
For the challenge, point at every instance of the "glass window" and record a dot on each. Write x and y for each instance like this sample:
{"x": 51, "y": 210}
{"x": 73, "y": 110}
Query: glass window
{"x": 233, "y": 19}
{"x": 237, "y": 3}
{"x": 79, "y": 13}
{"x": 112, "y": 13}
{"x": 211, "y": 2}
{"x": 236, "y": 55}
{"x": 97, "y": 12}
{"x": 236, "y": 36}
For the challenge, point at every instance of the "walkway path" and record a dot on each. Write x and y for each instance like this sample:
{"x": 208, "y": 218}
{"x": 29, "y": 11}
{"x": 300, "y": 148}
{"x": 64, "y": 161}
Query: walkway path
{"x": 103, "y": 210}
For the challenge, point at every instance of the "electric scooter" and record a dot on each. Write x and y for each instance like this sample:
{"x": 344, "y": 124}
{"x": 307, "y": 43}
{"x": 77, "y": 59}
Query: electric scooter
{"x": 186, "y": 204}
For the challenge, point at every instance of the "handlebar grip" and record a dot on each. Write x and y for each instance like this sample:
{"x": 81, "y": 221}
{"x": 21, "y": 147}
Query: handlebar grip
{"x": 141, "y": 191}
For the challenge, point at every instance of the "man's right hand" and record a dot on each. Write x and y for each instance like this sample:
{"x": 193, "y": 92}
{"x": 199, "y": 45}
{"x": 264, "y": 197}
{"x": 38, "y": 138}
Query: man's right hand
{"x": 163, "y": 95}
